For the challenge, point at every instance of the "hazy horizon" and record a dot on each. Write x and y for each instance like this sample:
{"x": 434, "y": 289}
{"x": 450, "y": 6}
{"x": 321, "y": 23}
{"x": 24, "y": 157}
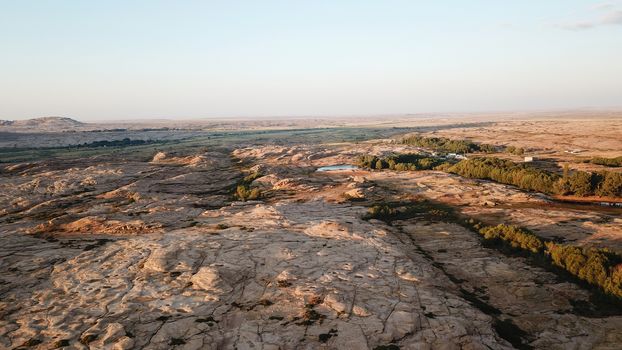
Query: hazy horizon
{"x": 560, "y": 112}
{"x": 196, "y": 60}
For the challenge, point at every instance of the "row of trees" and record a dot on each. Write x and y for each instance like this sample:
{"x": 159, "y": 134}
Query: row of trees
{"x": 595, "y": 266}
{"x": 399, "y": 162}
{"x": 514, "y": 237}
{"x": 460, "y": 146}
{"x": 598, "y": 267}
{"x": 507, "y": 172}
{"x": 578, "y": 183}
{"x": 114, "y": 143}
{"x": 448, "y": 145}
{"x": 523, "y": 176}
{"x": 581, "y": 183}
{"x": 610, "y": 162}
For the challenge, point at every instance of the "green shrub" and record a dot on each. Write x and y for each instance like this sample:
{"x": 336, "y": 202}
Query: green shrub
{"x": 444, "y": 144}
{"x": 610, "y": 162}
{"x": 486, "y": 148}
{"x": 399, "y": 162}
{"x": 610, "y": 185}
{"x": 244, "y": 193}
{"x": 514, "y": 236}
{"x": 367, "y": 161}
{"x": 595, "y": 266}
{"x": 598, "y": 267}
{"x": 519, "y": 151}
{"x": 507, "y": 172}
{"x": 579, "y": 183}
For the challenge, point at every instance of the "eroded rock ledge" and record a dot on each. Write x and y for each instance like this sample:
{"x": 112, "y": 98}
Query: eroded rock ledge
{"x": 299, "y": 279}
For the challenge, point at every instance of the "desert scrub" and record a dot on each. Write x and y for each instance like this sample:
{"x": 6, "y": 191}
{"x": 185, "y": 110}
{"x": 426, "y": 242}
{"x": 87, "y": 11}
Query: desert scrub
{"x": 523, "y": 176}
{"x": 599, "y": 268}
{"x": 610, "y": 162}
{"x": 514, "y": 236}
{"x": 244, "y": 191}
{"x": 507, "y": 172}
{"x": 399, "y": 162}
{"x": 417, "y": 208}
{"x": 519, "y": 151}
{"x": 447, "y": 145}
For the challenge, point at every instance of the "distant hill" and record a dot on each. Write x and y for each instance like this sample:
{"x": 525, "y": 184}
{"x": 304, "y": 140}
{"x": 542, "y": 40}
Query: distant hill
{"x": 41, "y": 124}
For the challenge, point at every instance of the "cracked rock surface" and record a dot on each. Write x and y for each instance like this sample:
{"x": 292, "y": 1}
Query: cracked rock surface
{"x": 155, "y": 254}
{"x": 299, "y": 279}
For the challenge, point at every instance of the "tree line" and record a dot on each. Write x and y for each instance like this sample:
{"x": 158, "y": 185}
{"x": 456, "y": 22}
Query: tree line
{"x": 399, "y": 162}
{"x": 598, "y": 267}
{"x": 460, "y": 146}
{"x": 523, "y": 176}
{"x": 610, "y": 162}
{"x": 577, "y": 183}
{"x": 447, "y": 145}
{"x": 114, "y": 143}
{"x": 506, "y": 172}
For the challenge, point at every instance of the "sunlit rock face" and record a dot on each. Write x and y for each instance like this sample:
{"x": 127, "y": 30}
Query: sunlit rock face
{"x": 157, "y": 253}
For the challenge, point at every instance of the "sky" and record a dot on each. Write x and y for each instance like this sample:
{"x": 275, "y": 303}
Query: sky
{"x": 115, "y": 60}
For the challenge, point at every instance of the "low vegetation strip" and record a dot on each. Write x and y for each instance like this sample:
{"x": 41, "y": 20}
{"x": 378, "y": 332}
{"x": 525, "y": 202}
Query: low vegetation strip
{"x": 610, "y": 162}
{"x": 443, "y": 144}
{"x": 523, "y": 176}
{"x": 519, "y": 151}
{"x": 115, "y": 143}
{"x": 599, "y": 268}
{"x": 507, "y": 172}
{"x": 400, "y": 162}
{"x": 516, "y": 237}
{"x": 579, "y": 183}
{"x": 448, "y": 145}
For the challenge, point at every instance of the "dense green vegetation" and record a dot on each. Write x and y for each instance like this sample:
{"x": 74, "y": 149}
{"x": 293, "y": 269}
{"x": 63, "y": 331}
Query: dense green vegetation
{"x": 514, "y": 236}
{"x": 507, "y": 172}
{"x": 597, "y": 267}
{"x": 460, "y": 146}
{"x": 424, "y": 209}
{"x": 610, "y": 162}
{"x": 448, "y": 145}
{"x": 523, "y": 176}
{"x": 519, "y": 151}
{"x": 244, "y": 191}
{"x": 579, "y": 183}
{"x": 611, "y": 185}
{"x": 399, "y": 162}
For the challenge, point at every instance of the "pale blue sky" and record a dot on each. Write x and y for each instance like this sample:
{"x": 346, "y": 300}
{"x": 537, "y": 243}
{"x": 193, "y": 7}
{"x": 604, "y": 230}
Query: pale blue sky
{"x": 97, "y": 60}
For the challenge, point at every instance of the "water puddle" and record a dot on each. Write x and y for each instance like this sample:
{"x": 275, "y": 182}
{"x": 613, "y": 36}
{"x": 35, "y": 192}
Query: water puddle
{"x": 337, "y": 167}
